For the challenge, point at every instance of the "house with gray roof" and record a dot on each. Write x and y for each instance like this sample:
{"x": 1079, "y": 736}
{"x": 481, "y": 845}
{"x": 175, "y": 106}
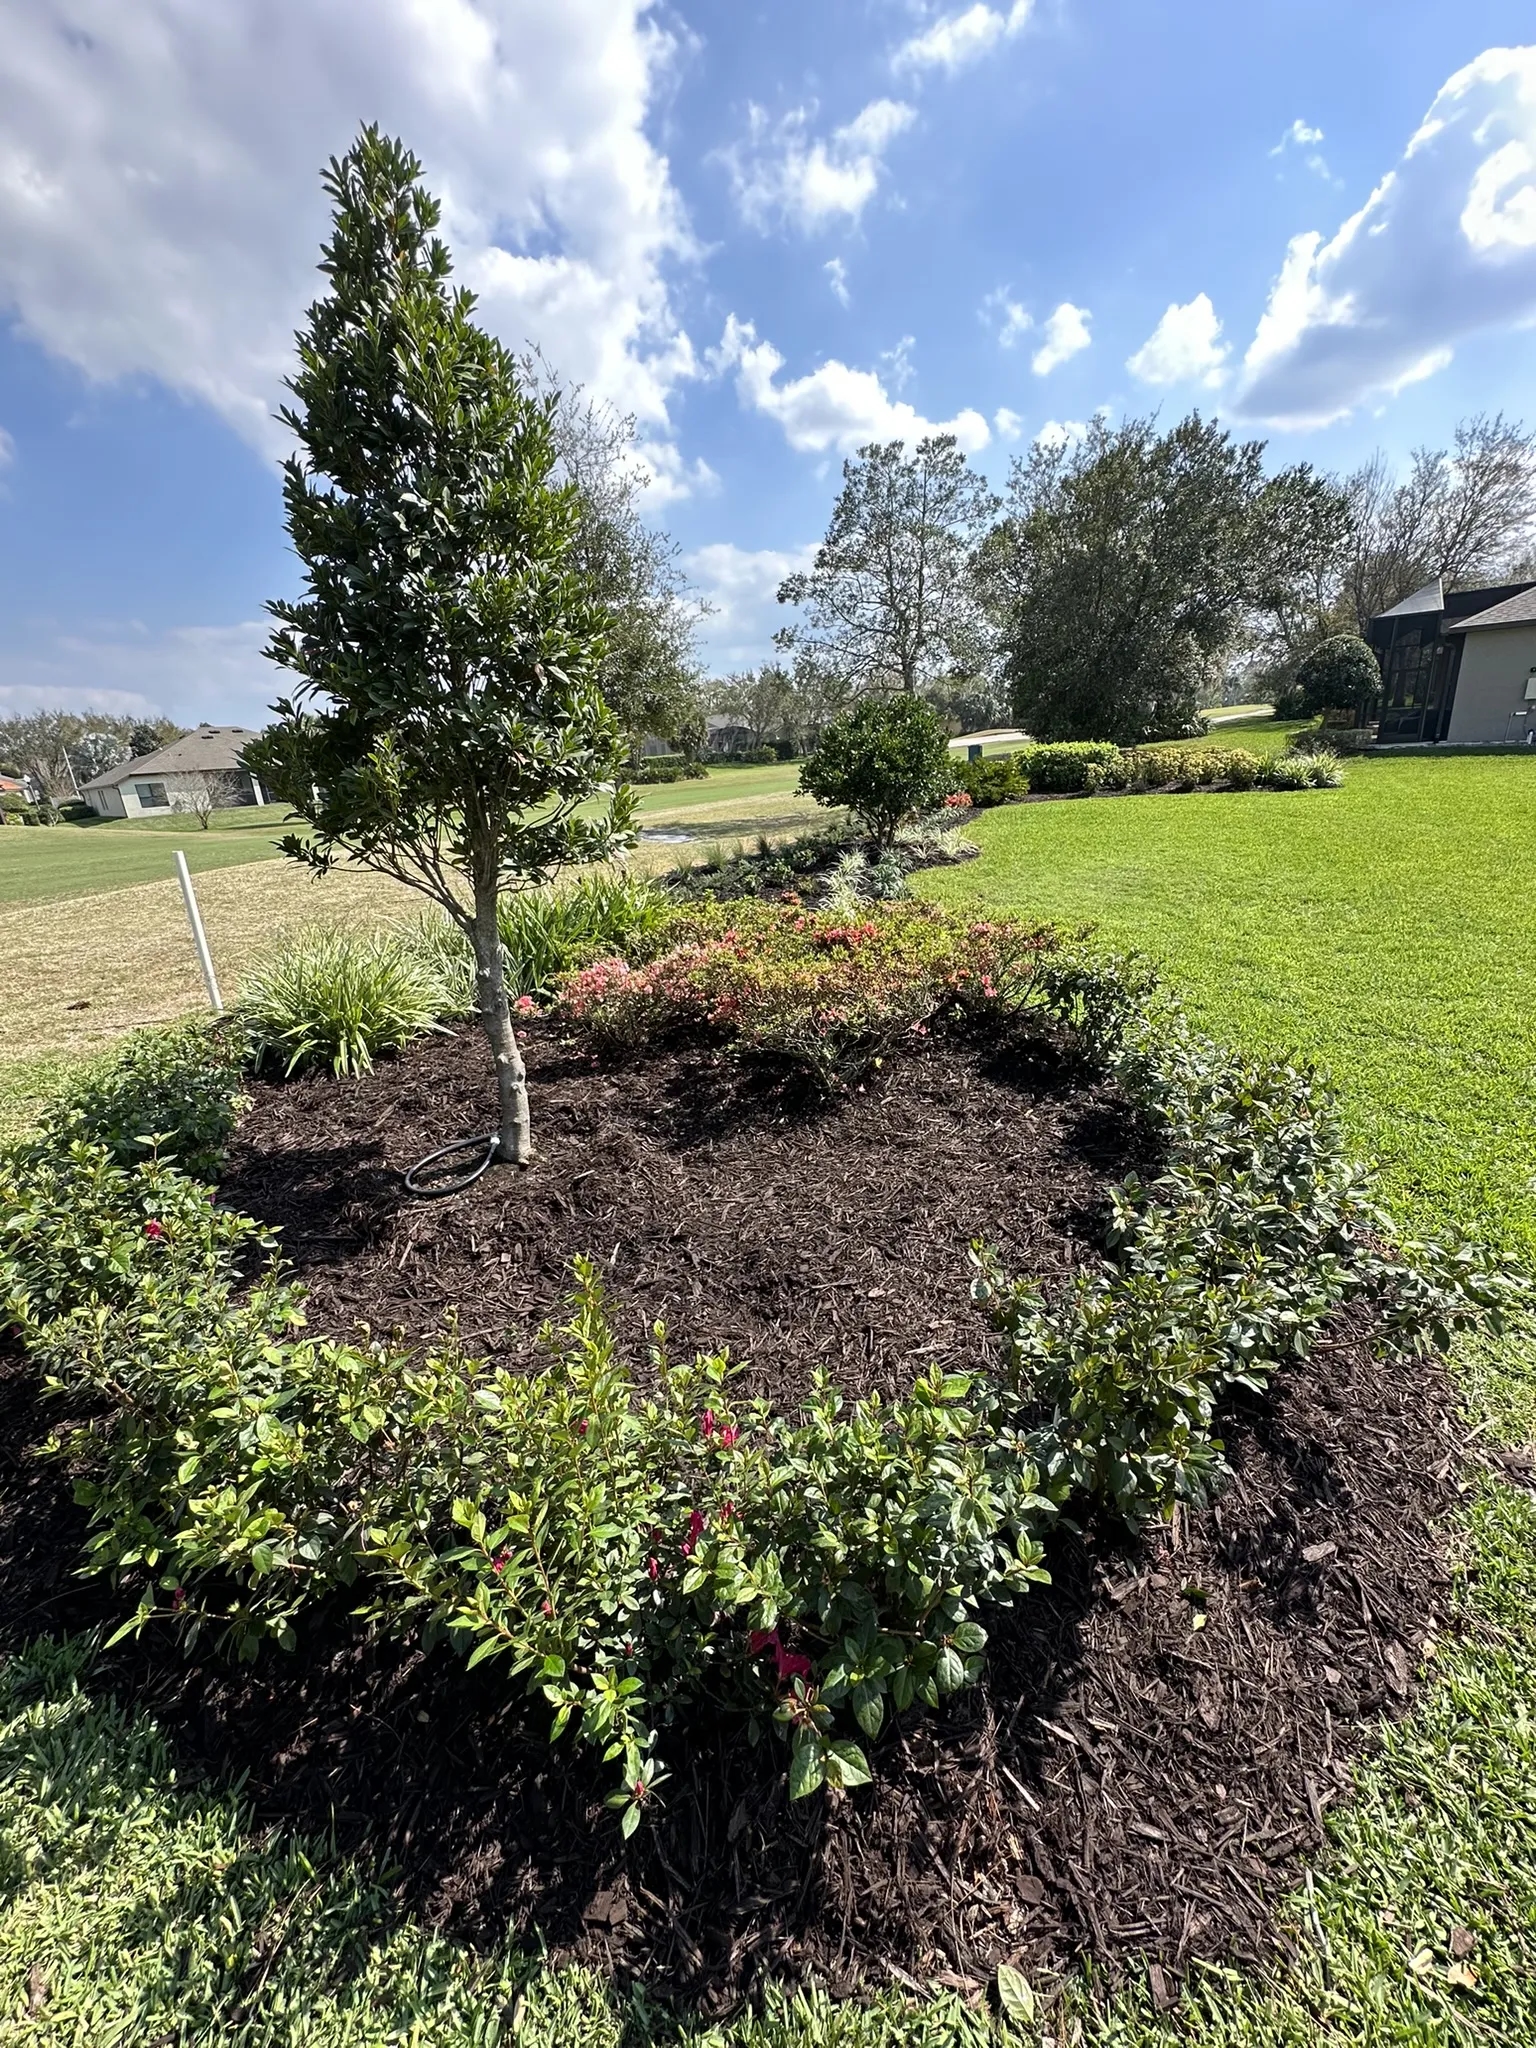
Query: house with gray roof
{"x": 1459, "y": 667}
{"x": 205, "y": 768}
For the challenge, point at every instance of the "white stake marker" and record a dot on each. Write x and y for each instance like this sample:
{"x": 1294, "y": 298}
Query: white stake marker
{"x": 199, "y": 936}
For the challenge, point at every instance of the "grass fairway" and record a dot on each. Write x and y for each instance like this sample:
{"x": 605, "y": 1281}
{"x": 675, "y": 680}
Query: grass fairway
{"x": 45, "y": 864}
{"x": 1383, "y": 930}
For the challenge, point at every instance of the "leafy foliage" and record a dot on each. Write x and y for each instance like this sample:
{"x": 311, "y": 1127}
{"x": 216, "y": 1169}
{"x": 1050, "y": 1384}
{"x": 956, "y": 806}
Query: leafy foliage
{"x": 1128, "y": 564}
{"x": 175, "y": 1092}
{"x": 340, "y": 998}
{"x": 995, "y": 779}
{"x": 1340, "y": 674}
{"x": 888, "y": 758}
{"x": 1065, "y": 768}
{"x": 447, "y": 726}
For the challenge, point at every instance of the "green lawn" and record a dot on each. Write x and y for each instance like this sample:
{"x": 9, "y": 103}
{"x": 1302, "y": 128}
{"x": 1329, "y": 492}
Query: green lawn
{"x": 41, "y": 864}
{"x": 1380, "y": 928}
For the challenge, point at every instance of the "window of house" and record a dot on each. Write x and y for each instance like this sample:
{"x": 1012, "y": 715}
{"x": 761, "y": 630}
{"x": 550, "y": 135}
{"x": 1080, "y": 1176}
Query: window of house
{"x": 151, "y": 796}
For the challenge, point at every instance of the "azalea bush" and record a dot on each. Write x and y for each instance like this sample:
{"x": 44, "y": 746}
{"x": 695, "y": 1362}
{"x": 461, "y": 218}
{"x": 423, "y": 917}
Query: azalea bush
{"x": 170, "y": 1090}
{"x": 826, "y": 993}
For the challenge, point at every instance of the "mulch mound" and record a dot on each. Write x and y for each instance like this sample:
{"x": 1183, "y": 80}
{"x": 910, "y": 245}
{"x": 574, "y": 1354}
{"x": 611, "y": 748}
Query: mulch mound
{"x": 1125, "y": 1784}
{"x": 738, "y": 1213}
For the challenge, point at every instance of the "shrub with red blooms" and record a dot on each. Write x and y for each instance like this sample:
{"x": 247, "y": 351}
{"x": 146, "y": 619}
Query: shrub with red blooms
{"x": 812, "y": 990}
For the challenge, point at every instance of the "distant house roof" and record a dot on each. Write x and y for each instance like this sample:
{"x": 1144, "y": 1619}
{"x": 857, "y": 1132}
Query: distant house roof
{"x": 212, "y": 749}
{"x": 1430, "y": 599}
{"x": 1519, "y": 610}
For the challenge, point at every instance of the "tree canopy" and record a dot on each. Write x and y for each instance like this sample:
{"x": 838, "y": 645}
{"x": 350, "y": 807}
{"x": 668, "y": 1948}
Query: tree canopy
{"x": 889, "y": 602}
{"x": 1126, "y": 566}
{"x": 447, "y": 726}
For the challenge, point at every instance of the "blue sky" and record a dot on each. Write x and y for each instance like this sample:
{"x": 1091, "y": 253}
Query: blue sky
{"x": 771, "y": 231}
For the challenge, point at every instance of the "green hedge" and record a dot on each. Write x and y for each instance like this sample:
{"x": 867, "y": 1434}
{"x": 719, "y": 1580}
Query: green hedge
{"x": 633, "y": 1556}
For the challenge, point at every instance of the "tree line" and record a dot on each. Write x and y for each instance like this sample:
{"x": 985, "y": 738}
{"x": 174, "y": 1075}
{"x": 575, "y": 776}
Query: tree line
{"x": 1124, "y": 579}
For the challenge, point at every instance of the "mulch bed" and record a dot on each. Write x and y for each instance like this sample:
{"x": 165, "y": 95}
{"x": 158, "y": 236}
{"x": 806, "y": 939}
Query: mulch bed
{"x": 1123, "y": 1785}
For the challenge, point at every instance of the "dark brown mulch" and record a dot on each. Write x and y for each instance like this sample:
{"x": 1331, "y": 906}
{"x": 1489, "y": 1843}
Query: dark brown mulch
{"x": 798, "y": 1234}
{"x": 1123, "y": 1785}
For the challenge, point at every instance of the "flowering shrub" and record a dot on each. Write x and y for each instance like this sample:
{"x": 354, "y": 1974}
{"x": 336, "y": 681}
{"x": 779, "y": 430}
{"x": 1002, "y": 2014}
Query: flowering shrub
{"x": 823, "y": 992}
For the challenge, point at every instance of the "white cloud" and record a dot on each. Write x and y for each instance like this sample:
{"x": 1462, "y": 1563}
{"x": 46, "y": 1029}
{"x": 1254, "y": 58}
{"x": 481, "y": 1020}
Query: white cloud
{"x": 1062, "y": 434}
{"x": 782, "y": 173}
{"x": 1066, "y": 335}
{"x": 1006, "y": 316}
{"x": 834, "y": 407}
{"x": 7, "y": 449}
{"x": 837, "y": 277}
{"x": 1006, "y": 424}
{"x": 1445, "y": 247}
{"x": 955, "y": 40}
{"x": 742, "y": 584}
{"x": 1299, "y": 135}
{"x": 1185, "y": 347}
{"x": 190, "y": 673}
{"x": 160, "y": 202}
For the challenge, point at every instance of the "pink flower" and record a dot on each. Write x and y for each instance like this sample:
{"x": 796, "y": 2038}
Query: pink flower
{"x": 581, "y": 1427}
{"x": 695, "y": 1531}
{"x": 760, "y": 1639}
{"x": 500, "y": 1562}
{"x": 728, "y": 1436}
{"x": 707, "y": 1424}
{"x": 654, "y": 1569}
{"x": 178, "y": 1599}
{"x": 154, "y": 1230}
{"x": 523, "y": 1005}
{"x": 789, "y": 1664}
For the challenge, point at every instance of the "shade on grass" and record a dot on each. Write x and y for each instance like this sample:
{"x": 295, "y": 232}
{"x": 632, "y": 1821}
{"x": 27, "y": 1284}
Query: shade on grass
{"x": 1384, "y": 929}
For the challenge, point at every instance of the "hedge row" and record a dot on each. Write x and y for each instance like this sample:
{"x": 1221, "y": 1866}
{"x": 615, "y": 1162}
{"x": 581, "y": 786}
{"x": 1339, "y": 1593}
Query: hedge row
{"x": 635, "y": 1557}
{"x": 1082, "y": 767}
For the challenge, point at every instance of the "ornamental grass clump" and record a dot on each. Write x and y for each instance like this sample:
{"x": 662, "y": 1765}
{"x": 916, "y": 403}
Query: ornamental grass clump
{"x": 340, "y": 998}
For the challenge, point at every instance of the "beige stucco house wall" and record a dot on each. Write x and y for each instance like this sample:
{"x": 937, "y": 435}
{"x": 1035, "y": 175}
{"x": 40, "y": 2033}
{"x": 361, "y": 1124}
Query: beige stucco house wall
{"x": 204, "y": 764}
{"x": 1498, "y": 668}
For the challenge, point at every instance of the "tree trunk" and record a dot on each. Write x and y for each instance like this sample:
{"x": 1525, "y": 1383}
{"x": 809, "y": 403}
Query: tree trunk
{"x": 515, "y": 1146}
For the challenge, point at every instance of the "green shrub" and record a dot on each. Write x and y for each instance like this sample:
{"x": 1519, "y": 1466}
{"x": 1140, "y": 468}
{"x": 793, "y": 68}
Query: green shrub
{"x": 1340, "y": 674}
{"x": 548, "y": 932}
{"x": 994, "y": 779}
{"x": 661, "y": 768}
{"x": 751, "y": 757}
{"x": 341, "y": 998}
{"x": 886, "y": 759}
{"x": 1062, "y": 768}
{"x": 175, "y": 1091}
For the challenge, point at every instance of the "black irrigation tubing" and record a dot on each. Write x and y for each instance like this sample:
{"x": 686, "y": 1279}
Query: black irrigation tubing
{"x": 455, "y": 1185}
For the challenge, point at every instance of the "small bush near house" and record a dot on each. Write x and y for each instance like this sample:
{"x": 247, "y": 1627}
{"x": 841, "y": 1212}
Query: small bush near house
{"x": 340, "y": 998}
{"x": 887, "y": 759}
{"x": 1340, "y": 674}
{"x": 750, "y": 757}
{"x": 175, "y": 1092}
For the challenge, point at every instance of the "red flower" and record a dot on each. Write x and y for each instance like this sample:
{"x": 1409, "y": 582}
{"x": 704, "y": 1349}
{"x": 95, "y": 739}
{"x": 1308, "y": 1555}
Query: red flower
{"x": 792, "y": 1665}
{"x": 154, "y": 1230}
{"x": 654, "y": 1569}
{"x": 178, "y": 1599}
{"x": 760, "y": 1639}
{"x": 728, "y": 1437}
{"x": 695, "y": 1531}
{"x": 500, "y": 1562}
{"x": 727, "y": 1511}
{"x": 707, "y": 1423}
{"x": 789, "y": 1664}
{"x": 581, "y": 1428}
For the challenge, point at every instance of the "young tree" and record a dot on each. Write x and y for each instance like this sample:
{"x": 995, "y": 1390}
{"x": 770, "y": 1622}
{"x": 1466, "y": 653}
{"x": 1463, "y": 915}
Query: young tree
{"x": 889, "y": 600}
{"x": 447, "y": 727}
{"x": 1130, "y": 563}
{"x": 887, "y": 758}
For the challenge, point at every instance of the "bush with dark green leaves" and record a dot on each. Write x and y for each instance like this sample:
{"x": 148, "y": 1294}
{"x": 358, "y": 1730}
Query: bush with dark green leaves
{"x": 1340, "y": 674}
{"x": 1065, "y": 767}
{"x": 652, "y": 769}
{"x": 176, "y": 1092}
{"x": 886, "y": 759}
{"x": 992, "y": 780}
